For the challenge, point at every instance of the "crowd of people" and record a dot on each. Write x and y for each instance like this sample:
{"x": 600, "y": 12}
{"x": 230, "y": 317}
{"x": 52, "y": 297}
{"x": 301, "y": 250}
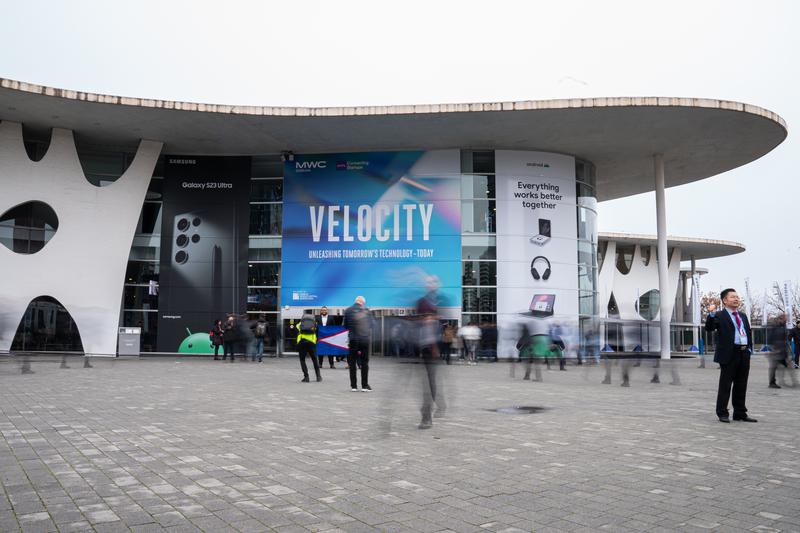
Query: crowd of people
{"x": 430, "y": 339}
{"x": 238, "y": 335}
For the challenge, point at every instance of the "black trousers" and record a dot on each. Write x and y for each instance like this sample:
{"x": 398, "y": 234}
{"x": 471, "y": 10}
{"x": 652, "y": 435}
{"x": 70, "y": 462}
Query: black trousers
{"x": 228, "y": 348}
{"x": 322, "y": 359}
{"x": 216, "y": 350}
{"x": 734, "y": 373}
{"x": 430, "y": 386}
{"x": 308, "y": 348}
{"x": 358, "y": 356}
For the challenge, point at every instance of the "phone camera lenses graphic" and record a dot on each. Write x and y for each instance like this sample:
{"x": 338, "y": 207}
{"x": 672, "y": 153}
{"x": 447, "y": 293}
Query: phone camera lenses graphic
{"x": 182, "y": 240}
{"x": 196, "y": 221}
{"x": 181, "y": 257}
{"x": 183, "y": 224}
{"x": 195, "y": 238}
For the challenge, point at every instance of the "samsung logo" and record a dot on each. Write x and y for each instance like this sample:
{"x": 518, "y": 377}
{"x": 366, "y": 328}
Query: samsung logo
{"x": 182, "y": 161}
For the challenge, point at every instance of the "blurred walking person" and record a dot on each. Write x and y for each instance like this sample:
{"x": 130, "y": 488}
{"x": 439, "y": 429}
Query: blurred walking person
{"x": 471, "y": 338}
{"x": 359, "y": 325}
{"x": 428, "y": 323}
{"x": 261, "y": 333}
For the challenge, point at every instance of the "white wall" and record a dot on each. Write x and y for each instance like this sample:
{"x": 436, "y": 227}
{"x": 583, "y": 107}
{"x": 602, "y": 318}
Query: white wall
{"x": 627, "y": 288}
{"x": 83, "y": 265}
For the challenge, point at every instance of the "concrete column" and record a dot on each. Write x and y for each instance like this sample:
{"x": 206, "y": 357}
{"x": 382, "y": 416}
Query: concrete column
{"x": 663, "y": 259}
{"x": 695, "y": 329}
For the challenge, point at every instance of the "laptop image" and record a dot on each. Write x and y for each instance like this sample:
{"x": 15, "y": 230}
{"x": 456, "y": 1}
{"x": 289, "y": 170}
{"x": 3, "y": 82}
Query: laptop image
{"x": 544, "y": 232}
{"x": 542, "y": 305}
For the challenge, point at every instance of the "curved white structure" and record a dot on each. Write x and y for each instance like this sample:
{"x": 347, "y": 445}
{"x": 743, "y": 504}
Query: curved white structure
{"x": 83, "y": 265}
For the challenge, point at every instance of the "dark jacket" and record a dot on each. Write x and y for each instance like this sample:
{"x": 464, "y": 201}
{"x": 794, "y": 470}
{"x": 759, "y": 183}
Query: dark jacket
{"x": 358, "y": 322}
{"x": 216, "y": 335}
{"x": 722, "y": 322}
{"x": 332, "y": 321}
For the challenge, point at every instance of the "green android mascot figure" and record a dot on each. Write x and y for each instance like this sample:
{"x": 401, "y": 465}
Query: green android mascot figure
{"x": 196, "y": 343}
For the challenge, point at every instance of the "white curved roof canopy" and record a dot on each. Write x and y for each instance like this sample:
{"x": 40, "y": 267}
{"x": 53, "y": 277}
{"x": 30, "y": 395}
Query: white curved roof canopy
{"x": 699, "y": 248}
{"x": 698, "y": 137}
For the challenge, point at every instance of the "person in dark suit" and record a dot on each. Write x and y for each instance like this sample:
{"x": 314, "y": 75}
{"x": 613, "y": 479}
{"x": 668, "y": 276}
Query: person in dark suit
{"x": 324, "y": 319}
{"x": 734, "y": 346}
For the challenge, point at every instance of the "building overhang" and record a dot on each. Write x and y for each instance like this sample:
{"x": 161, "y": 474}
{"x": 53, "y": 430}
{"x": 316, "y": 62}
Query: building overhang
{"x": 690, "y": 247}
{"x": 698, "y": 137}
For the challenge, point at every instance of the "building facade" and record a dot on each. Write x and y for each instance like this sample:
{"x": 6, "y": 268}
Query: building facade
{"x": 147, "y": 216}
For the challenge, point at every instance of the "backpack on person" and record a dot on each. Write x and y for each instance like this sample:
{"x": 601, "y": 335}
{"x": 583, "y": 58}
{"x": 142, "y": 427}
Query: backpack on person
{"x": 261, "y": 330}
{"x": 307, "y": 324}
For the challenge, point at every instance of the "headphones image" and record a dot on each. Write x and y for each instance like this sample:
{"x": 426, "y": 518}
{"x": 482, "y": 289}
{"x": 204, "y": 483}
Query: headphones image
{"x": 535, "y": 273}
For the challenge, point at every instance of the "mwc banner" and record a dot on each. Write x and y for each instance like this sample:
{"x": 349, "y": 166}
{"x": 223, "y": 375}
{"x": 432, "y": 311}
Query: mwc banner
{"x": 377, "y": 224}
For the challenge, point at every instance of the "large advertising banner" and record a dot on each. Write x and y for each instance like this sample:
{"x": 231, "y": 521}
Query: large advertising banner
{"x": 537, "y": 270}
{"x": 377, "y": 224}
{"x": 204, "y": 234}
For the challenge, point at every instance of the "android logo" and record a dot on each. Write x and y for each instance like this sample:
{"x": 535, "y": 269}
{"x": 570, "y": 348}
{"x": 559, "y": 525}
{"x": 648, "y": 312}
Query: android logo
{"x": 196, "y": 343}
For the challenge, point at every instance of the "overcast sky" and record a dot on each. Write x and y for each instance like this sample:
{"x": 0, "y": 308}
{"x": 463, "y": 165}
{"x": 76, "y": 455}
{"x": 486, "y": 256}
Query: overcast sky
{"x": 357, "y": 53}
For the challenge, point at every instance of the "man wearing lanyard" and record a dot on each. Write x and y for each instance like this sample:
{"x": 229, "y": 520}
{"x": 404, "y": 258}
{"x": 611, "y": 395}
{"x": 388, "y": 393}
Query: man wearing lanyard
{"x": 734, "y": 346}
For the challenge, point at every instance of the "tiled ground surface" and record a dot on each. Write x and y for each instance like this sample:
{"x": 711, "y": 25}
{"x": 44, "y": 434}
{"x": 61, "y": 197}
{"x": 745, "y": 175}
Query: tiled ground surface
{"x": 187, "y": 445}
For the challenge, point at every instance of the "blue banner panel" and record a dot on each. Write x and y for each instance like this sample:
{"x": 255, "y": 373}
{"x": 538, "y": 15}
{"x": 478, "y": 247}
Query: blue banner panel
{"x": 368, "y": 224}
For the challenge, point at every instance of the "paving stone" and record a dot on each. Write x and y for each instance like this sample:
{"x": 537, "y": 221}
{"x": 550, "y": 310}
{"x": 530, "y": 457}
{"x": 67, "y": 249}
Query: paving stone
{"x": 190, "y": 445}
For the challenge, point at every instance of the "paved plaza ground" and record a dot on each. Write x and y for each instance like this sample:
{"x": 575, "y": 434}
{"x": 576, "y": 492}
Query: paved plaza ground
{"x": 182, "y": 444}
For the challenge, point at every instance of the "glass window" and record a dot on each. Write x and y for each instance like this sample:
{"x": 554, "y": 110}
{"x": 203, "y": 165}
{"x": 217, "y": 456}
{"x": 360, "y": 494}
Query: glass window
{"x": 145, "y": 247}
{"x": 587, "y": 224}
{"x": 625, "y": 257}
{"x": 150, "y": 218}
{"x": 141, "y": 271}
{"x": 477, "y": 186}
{"x": 478, "y": 247}
{"x": 646, "y": 253}
{"x": 648, "y": 303}
{"x": 47, "y": 326}
{"x": 266, "y": 190}
{"x": 481, "y": 273}
{"x": 601, "y": 253}
{"x": 262, "y": 299}
{"x": 477, "y": 319}
{"x": 478, "y": 216}
{"x": 613, "y": 309}
{"x": 479, "y": 300}
{"x": 477, "y": 161}
{"x": 264, "y": 274}
{"x": 265, "y": 249}
{"x": 148, "y": 321}
{"x": 138, "y": 297}
{"x": 102, "y": 168}
{"x": 585, "y": 172}
{"x": 265, "y": 219}
{"x": 483, "y": 162}
{"x": 26, "y": 228}
{"x": 266, "y": 166}
{"x": 587, "y": 303}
